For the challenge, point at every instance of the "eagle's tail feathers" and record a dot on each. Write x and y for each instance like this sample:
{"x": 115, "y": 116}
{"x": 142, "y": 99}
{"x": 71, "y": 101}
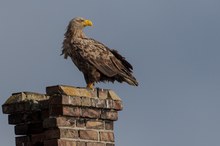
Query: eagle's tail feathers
{"x": 130, "y": 79}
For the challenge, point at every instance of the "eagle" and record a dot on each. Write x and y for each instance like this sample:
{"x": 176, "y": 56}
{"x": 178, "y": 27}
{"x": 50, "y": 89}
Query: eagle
{"x": 97, "y": 62}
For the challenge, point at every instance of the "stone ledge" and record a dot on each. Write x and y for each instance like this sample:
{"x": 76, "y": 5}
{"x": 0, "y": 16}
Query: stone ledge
{"x": 62, "y": 95}
{"x": 25, "y": 96}
{"x": 82, "y": 92}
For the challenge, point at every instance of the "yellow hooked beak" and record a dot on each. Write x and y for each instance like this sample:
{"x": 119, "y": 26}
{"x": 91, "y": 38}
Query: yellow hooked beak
{"x": 87, "y": 23}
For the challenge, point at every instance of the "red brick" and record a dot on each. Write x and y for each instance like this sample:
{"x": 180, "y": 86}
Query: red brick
{"x": 80, "y": 123}
{"x": 80, "y": 143}
{"x": 45, "y": 114}
{"x": 109, "y": 125}
{"x": 59, "y": 121}
{"x": 65, "y": 110}
{"x": 95, "y": 144}
{"x": 52, "y": 133}
{"x": 114, "y": 104}
{"x": 44, "y": 104}
{"x": 91, "y": 113}
{"x": 65, "y": 100}
{"x": 110, "y": 144}
{"x": 69, "y": 133}
{"x": 109, "y": 103}
{"x": 52, "y": 142}
{"x": 72, "y": 111}
{"x": 107, "y": 136}
{"x": 86, "y": 101}
{"x": 23, "y": 141}
{"x": 59, "y": 142}
{"x": 94, "y": 125}
{"x": 18, "y": 107}
{"x": 50, "y": 123}
{"x": 25, "y": 129}
{"x": 37, "y": 138}
{"x": 88, "y": 134}
{"x": 98, "y": 103}
{"x": 109, "y": 115}
{"x": 20, "y": 118}
{"x": 117, "y": 104}
{"x": 102, "y": 93}
{"x": 93, "y": 92}
{"x": 61, "y": 133}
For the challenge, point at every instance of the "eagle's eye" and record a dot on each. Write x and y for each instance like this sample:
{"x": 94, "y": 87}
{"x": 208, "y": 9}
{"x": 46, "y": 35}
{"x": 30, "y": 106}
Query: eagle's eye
{"x": 81, "y": 20}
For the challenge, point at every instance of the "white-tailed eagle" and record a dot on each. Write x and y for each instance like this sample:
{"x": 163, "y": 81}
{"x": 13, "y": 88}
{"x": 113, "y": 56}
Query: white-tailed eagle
{"x": 96, "y": 61}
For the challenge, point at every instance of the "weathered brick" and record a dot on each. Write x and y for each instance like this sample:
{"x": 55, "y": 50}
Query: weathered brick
{"x": 59, "y": 121}
{"x": 66, "y": 121}
{"x": 91, "y": 113}
{"x": 80, "y": 143}
{"x": 59, "y": 142}
{"x": 50, "y": 123}
{"x": 72, "y": 111}
{"x": 44, "y": 104}
{"x": 88, "y": 134}
{"x": 98, "y": 103}
{"x": 109, "y": 115}
{"x": 117, "y": 104}
{"x": 51, "y": 142}
{"x": 95, "y": 144}
{"x": 65, "y": 100}
{"x": 102, "y": 93}
{"x": 68, "y": 90}
{"x": 25, "y": 129}
{"x": 23, "y": 141}
{"x": 19, "y": 107}
{"x": 107, "y": 136}
{"x": 109, "y": 103}
{"x": 37, "y": 138}
{"x": 110, "y": 144}
{"x": 25, "y": 96}
{"x": 80, "y": 123}
{"x": 114, "y": 104}
{"x": 112, "y": 95}
{"x": 61, "y": 133}
{"x": 109, "y": 125}
{"x": 69, "y": 133}
{"x": 65, "y": 110}
{"x": 20, "y": 118}
{"x": 94, "y": 125}
{"x": 86, "y": 101}
{"x": 45, "y": 114}
{"x": 24, "y": 102}
{"x": 52, "y": 133}
{"x": 8, "y": 108}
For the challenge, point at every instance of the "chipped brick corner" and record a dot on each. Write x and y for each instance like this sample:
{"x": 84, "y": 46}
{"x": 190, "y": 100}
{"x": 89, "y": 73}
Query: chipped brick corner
{"x": 64, "y": 116}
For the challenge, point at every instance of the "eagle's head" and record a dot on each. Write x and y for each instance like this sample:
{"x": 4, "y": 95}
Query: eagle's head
{"x": 79, "y": 23}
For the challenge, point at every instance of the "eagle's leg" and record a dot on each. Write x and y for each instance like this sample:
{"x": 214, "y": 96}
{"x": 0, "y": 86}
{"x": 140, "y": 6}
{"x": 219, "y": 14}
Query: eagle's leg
{"x": 90, "y": 85}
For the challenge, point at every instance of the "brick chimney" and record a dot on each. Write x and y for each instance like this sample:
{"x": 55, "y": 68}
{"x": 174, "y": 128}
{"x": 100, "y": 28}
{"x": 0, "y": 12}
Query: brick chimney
{"x": 64, "y": 116}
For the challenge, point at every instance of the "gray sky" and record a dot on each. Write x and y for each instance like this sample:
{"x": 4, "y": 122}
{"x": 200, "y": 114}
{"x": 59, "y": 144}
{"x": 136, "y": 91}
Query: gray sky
{"x": 173, "y": 46}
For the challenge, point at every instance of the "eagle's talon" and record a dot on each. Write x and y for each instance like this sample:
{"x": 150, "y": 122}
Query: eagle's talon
{"x": 90, "y": 86}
